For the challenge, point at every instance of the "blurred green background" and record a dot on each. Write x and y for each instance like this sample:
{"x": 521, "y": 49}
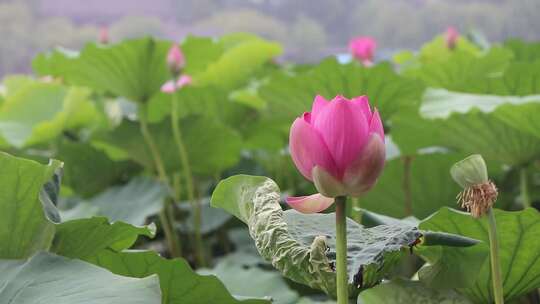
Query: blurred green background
{"x": 308, "y": 29}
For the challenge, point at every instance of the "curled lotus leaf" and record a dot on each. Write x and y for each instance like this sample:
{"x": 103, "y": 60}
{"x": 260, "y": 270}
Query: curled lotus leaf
{"x": 302, "y": 246}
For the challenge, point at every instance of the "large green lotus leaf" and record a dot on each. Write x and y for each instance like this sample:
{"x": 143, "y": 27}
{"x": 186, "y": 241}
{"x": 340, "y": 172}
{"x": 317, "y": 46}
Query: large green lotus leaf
{"x": 411, "y": 133}
{"x": 522, "y": 117}
{"x": 443, "y": 252}
{"x": 135, "y": 69}
{"x": 289, "y": 94}
{"x": 433, "y": 51}
{"x": 207, "y": 100}
{"x": 302, "y": 246}
{"x": 437, "y": 49}
{"x": 212, "y": 146}
{"x": 518, "y": 83}
{"x": 47, "y": 278}
{"x": 461, "y": 69}
{"x": 179, "y": 283}
{"x": 241, "y": 59}
{"x": 84, "y": 238}
{"x": 518, "y": 249}
{"x": 523, "y": 51}
{"x": 39, "y": 112}
{"x": 441, "y": 103}
{"x": 518, "y": 79}
{"x": 268, "y": 134}
{"x": 244, "y": 279}
{"x": 29, "y": 190}
{"x": 479, "y": 130}
{"x": 430, "y": 186}
{"x": 89, "y": 171}
{"x": 212, "y": 219}
{"x": 446, "y": 268}
{"x": 13, "y": 83}
{"x": 400, "y": 291}
{"x": 482, "y": 133}
{"x": 55, "y": 63}
{"x": 131, "y": 203}
{"x": 200, "y": 52}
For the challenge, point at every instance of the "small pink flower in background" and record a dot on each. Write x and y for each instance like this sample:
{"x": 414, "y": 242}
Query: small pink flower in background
{"x": 339, "y": 146}
{"x": 452, "y": 36}
{"x": 170, "y": 86}
{"x": 184, "y": 80}
{"x": 363, "y": 49}
{"x": 175, "y": 59}
{"x": 103, "y": 35}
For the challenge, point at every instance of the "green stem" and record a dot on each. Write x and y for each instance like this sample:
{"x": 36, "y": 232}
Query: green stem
{"x": 356, "y": 209}
{"x": 165, "y": 215}
{"x": 166, "y": 218}
{"x": 158, "y": 162}
{"x": 406, "y": 184}
{"x": 341, "y": 250}
{"x": 176, "y": 186}
{"x": 494, "y": 257}
{"x": 523, "y": 186}
{"x": 182, "y": 151}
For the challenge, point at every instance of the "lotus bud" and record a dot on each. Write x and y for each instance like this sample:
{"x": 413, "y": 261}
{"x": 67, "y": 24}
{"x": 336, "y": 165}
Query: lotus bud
{"x": 103, "y": 35}
{"x": 479, "y": 192}
{"x": 363, "y": 49}
{"x": 339, "y": 146}
{"x": 175, "y": 59}
{"x": 452, "y": 36}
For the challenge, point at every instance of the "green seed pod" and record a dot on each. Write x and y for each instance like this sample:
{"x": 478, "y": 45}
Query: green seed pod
{"x": 470, "y": 171}
{"x": 479, "y": 193}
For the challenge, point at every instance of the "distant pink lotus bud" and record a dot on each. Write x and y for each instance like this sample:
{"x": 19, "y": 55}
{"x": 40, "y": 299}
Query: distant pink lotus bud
{"x": 103, "y": 35}
{"x": 339, "y": 146}
{"x": 452, "y": 36}
{"x": 175, "y": 59}
{"x": 363, "y": 49}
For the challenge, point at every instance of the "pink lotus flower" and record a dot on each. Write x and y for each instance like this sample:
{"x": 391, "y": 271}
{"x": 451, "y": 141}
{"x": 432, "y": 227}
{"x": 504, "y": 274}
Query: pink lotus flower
{"x": 363, "y": 49}
{"x": 339, "y": 146}
{"x": 171, "y": 87}
{"x": 452, "y": 36}
{"x": 103, "y": 35}
{"x": 175, "y": 59}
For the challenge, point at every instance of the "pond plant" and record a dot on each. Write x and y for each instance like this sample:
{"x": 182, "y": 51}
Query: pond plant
{"x": 207, "y": 171}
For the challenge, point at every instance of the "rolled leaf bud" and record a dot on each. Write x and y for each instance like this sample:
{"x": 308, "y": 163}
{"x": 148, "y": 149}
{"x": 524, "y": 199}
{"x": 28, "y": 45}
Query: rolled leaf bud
{"x": 175, "y": 59}
{"x": 479, "y": 193}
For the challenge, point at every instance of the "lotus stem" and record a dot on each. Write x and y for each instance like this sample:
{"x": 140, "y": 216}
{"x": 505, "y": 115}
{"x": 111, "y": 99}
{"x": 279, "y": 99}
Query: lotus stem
{"x": 494, "y": 257}
{"x": 406, "y": 184}
{"x": 186, "y": 168}
{"x": 341, "y": 251}
{"x": 165, "y": 216}
{"x": 523, "y": 188}
{"x": 357, "y": 211}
